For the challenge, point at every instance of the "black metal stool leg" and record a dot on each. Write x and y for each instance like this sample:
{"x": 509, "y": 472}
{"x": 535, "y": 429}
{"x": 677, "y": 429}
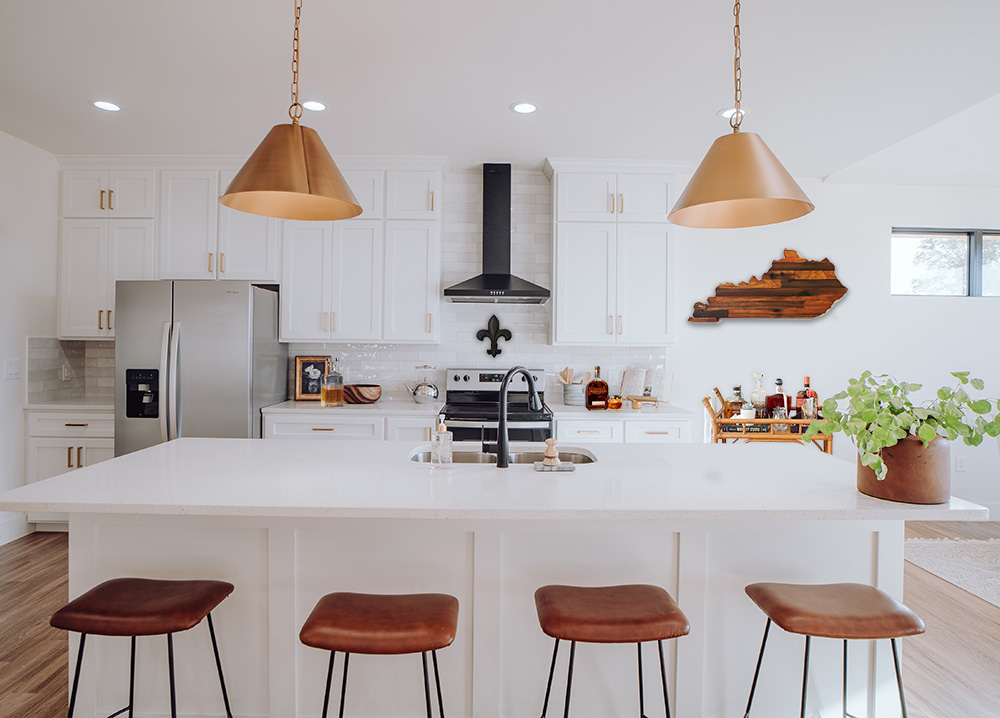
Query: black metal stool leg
{"x": 218, "y": 664}
{"x": 170, "y": 667}
{"x": 756, "y": 672}
{"x": 663, "y": 679}
{"x": 76, "y": 675}
{"x": 427, "y": 685}
{"x": 329, "y": 682}
{"x": 131, "y": 680}
{"x": 569, "y": 677}
{"x": 845, "y": 678}
{"x": 805, "y": 678}
{"x": 343, "y": 686}
{"x": 899, "y": 677}
{"x": 642, "y": 700}
{"x": 437, "y": 682}
{"x": 548, "y": 686}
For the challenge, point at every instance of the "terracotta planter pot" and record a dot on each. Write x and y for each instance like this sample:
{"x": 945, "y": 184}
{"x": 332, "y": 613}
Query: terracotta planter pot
{"x": 915, "y": 475}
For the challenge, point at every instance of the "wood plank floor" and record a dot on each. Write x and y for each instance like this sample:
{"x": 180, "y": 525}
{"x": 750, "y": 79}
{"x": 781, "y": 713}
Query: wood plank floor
{"x": 951, "y": 671}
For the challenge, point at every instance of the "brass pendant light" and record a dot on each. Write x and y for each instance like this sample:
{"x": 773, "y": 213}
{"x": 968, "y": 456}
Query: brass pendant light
{"x": 291, "y": 175}
{"x": 740, "y": 183}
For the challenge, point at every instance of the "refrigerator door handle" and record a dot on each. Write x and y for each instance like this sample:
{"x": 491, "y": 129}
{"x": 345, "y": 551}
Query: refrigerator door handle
{"x": 173, "y": 416}
{"x": 165, "y": 405}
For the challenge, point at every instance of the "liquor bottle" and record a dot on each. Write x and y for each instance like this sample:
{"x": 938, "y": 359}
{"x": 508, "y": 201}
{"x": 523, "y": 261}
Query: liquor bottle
{"x": 332, "y": 385}
{"x": 733, "y": 404}
{"x": 807, "y": 400}
{"x": 757, "y": 397}
{"x": 597, "y": 391}
{"x": 778, "y": 399}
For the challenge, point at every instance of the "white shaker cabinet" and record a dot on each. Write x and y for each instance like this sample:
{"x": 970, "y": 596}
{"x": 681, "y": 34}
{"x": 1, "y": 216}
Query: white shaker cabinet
{"x": 331, "y": 281}
{"x": 188, "y": 220}
{"x": 412, "y": 270}
{"x": 404, "y": 428}
{"x": 247, "y": 243}
{"x": 412, "y": 194}
{"x": 109, "y": 194}
{"x": 612, "y": 254}
{"x": 93, "y": 254}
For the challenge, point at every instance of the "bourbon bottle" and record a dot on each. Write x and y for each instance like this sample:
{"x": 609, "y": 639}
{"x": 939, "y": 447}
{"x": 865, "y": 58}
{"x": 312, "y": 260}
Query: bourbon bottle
{"x": 734, "y": 403}
{"x": 807, "y": 400}
{"x": 778, "y": 398}
{"x": 597, "y": 391}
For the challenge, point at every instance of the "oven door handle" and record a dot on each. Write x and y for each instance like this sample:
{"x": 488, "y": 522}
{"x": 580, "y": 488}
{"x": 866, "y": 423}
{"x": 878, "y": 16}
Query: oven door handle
{"x": 460, "y": 424}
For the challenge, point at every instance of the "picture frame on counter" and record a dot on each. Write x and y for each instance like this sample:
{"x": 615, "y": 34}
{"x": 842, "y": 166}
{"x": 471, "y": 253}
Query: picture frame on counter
{"x": 309, "y": 378}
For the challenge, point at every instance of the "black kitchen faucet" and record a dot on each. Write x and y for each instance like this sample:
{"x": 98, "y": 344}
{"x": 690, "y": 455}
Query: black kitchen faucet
{"x": 534, "y": 403}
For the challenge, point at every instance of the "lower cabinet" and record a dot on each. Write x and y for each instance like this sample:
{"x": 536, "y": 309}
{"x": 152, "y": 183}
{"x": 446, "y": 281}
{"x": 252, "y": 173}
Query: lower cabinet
{"x": 283, "y": 426}
{"x": 400, "y": 428}
{"x": 61, "y": 442}
{"x": 630, "y": 431}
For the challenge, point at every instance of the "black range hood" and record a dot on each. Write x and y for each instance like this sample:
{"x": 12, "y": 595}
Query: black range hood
{"x": 496, "y": 285}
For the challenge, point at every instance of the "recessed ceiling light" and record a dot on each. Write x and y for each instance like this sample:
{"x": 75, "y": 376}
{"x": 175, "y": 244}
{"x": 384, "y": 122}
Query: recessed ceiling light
{"x": 523, "y": 108}
{"x": 730, "y": 111}
{"x": 108, "y": 106}
{"x": 314, "y": 106}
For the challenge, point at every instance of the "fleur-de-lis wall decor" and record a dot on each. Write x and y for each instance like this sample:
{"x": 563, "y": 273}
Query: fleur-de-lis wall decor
{"x": 494, "y": 333}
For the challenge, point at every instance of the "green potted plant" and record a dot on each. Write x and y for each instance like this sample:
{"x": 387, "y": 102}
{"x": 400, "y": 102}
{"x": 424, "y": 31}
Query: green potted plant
{"x": 906, "y": 442}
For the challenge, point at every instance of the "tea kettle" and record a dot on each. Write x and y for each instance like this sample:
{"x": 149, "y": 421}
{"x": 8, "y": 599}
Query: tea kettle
{"x": 424, "y": 392}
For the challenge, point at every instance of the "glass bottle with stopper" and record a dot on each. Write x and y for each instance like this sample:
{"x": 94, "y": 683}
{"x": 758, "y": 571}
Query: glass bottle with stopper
{"x": 597, "y": 391}
{"x": 332, "y": 385}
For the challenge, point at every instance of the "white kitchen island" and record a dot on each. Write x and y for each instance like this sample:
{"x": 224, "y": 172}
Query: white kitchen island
{"x": 287, "y": 522}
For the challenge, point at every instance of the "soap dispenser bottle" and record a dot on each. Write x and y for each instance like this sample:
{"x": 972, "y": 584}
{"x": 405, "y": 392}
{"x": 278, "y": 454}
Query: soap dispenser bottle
{"x": 441, "y": 446}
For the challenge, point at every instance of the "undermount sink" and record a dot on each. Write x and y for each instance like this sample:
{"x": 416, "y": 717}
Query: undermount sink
{"x": 572, "y": 456}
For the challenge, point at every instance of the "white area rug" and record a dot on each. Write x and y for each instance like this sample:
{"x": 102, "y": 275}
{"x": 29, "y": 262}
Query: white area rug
{"x": 972, "y": 565}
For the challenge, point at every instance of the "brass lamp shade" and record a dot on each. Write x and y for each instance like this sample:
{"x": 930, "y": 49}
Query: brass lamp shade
{"x": 291, "y": 176}
{"x": 740, "y": 183}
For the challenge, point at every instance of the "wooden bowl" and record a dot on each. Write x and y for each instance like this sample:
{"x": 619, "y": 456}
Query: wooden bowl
{"x": 362, "y": 393}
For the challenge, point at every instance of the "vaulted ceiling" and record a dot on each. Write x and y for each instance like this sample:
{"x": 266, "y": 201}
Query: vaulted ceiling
{"x": 853, "y": 89}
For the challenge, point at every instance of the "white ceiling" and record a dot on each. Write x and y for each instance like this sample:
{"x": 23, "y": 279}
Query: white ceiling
{"x": 830, "y": 86}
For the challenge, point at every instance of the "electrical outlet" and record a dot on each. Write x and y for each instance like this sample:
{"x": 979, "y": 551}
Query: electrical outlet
{"x": 65, "y": 372}
{"x": 959, "y": 463}
{"x": 12, "y": 369}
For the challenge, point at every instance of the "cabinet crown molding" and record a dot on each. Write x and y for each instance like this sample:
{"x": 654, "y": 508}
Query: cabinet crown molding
{"x": 562, "y": 164}
{"x": 235, "y": 162}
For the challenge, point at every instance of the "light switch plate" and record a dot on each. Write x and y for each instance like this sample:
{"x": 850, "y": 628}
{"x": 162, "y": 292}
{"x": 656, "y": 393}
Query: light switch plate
{"x": 12, "y": 369}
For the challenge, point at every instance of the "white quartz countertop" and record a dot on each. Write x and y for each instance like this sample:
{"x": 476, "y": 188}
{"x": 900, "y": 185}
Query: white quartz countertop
{"x": 402, "y": 405}
{"x": 363, "y": 479}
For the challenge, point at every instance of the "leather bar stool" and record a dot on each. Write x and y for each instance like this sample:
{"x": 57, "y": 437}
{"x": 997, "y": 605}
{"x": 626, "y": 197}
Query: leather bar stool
{"x": 143, "y": 607}
{"x": 376, "y": 624}
{"x": 608, "y": 614}
{"x": 847, "y": 611}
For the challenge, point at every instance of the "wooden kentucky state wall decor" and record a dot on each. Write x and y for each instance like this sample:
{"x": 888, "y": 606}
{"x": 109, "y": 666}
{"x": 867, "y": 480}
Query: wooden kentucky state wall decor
{"x": 794, "y": 288}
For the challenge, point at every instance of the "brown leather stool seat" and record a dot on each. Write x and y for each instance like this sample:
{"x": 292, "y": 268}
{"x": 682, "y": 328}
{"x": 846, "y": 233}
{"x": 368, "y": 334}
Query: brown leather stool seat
{"x": 847, "y": 611}
{"x": 608, "y": 614}
{"x": 143, "y": 607}
{"x": 376, "y": 624}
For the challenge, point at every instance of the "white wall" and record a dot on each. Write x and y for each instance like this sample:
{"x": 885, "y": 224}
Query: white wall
{"x": 918, "y": 339}
{"x": 28, "y": 273}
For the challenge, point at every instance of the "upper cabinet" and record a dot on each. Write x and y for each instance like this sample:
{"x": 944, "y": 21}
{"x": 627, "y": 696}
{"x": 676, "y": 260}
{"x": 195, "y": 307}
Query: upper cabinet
{"x": 612, "y": 253}
{"x": 202, "y": 239}
{"x": 412, "y": 194}
{"x": 109, "y": 194}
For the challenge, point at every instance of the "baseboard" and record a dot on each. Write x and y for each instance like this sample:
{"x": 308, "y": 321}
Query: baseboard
{"x": 13, "y": 525}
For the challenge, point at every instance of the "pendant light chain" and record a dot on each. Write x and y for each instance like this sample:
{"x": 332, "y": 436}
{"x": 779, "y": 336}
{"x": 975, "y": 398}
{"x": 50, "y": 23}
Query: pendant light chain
{"x": 295, "y": 110}
{"x": 737, "y": 117}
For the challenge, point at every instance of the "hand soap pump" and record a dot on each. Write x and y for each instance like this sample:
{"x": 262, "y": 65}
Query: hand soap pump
{"x": 441, "y": 446}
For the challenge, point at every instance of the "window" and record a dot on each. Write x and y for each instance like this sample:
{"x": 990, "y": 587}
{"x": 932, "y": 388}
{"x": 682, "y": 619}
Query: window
{"x": 945, "y": 262}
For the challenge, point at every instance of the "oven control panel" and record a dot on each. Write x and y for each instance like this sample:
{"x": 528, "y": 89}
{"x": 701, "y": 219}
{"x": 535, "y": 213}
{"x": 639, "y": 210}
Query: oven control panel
{"x": 490, "y": 380}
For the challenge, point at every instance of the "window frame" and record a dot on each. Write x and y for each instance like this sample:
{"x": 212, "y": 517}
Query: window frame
{"x": 975, "y": 268}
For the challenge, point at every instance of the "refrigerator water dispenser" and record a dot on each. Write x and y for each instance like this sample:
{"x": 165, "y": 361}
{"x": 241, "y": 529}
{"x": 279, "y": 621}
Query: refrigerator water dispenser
{"x": 142, "y": 393}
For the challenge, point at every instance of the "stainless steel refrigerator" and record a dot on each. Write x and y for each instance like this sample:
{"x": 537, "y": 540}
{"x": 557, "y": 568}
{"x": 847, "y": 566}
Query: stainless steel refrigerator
{"x": 195, "y": 358}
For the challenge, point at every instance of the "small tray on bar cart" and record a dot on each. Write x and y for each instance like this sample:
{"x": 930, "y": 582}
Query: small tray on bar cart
{"x": 735, "y": 428}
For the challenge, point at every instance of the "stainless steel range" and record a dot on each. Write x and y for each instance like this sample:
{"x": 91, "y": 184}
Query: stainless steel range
{"x": 472, "y": 406}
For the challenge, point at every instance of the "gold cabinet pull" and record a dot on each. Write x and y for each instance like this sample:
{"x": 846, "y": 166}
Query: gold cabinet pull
{"x": 333, "y": 321}
{"x": 619, "y": 324}
{"x": 109, "y": 319}
{"x": 209, "y": 262}
{"x": 612, "y": 203}
{"x": 432, "y": 200}
{"x": 621, "y": 204}
{"x": 430, "y": 322}
{"x": 69, "y": 457}
{"x": 79, "y": 425}
{"x": 100, "y": 319}
{"x": 588, "y": 432}
{"x": 657, "y": 433}
{"x": 102, "y": 199}
{"x": 79, "y": 457}
{"x": 222, "y": 262}
{"x": 111, "y": 196}
{"x": 611, "y": 324}
{"x": 322, "y": 428}
{"x": 326, "y": 318}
